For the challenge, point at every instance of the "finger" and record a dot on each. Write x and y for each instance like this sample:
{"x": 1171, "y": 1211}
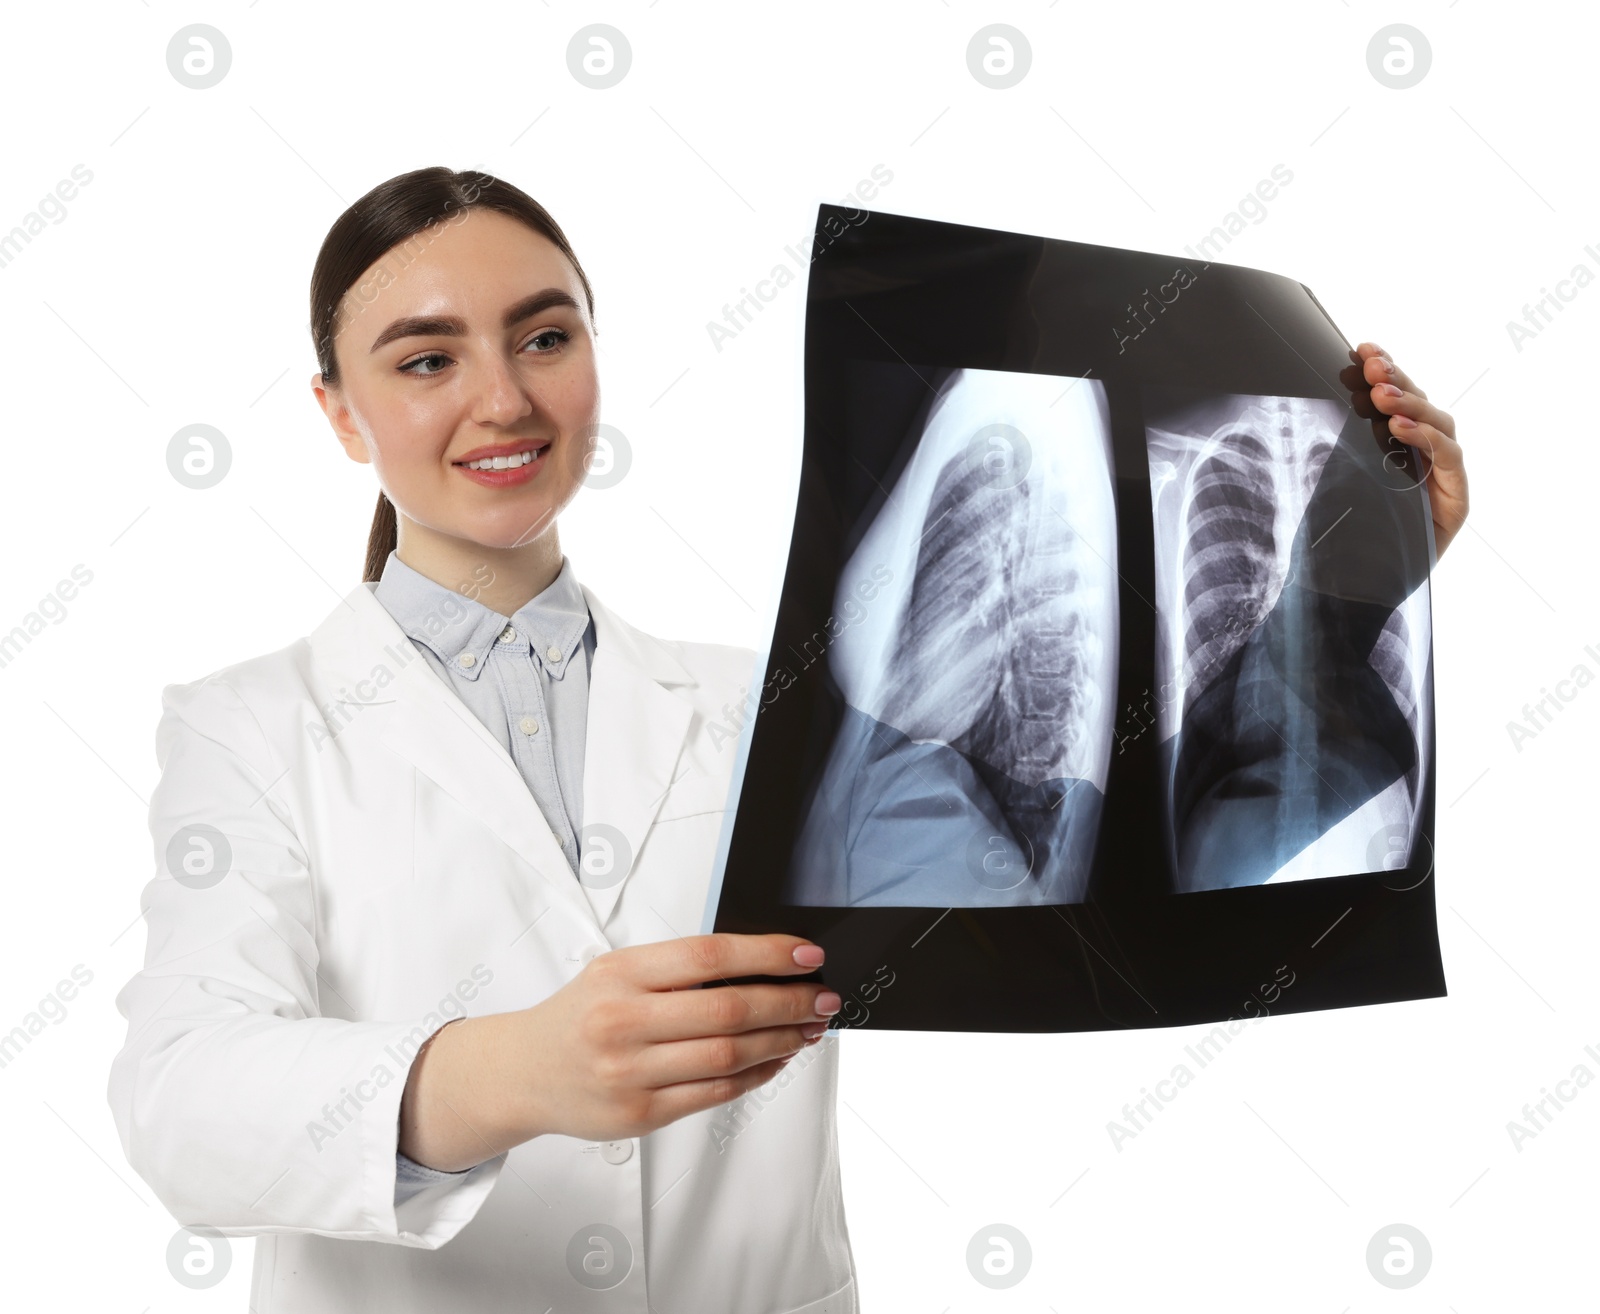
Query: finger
{"x": 669, "y": 1103}
{"x": 692, "y": 959}
{"x": 1364, "y": 351}
{"x": 728, "y": 1010}
{"x": 713, "y": 1058}
{"x": 1444, "y": 473}
{"x": 1379, "y": 367}
{"x": 1374, "y": 365}
{"x": 1371, "y": 367}
{"x": 1391, "y": 399}
{"x": 1354, "y": 376}
{"x": 1441, "y": 454}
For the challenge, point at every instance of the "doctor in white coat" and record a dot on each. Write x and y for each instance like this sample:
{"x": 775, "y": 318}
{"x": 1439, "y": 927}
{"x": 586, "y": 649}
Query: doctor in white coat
{"x": 365, "y": 943}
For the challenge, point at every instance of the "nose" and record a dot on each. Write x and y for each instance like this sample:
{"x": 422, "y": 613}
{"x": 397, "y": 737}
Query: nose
{"x": 503, "y": 395}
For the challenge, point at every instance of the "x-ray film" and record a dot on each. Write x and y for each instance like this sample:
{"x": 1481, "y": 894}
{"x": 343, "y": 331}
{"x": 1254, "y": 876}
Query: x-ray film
{"x": 1099, "y": 691}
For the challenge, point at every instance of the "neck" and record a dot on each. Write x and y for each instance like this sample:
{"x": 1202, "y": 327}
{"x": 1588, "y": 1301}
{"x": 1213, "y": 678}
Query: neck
{"x": 502, "y": 579}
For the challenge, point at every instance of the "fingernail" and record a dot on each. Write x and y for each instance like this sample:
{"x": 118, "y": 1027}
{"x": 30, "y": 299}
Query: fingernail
{"x": 1403, "y": 421}
{"x": 1388, "y": 365}
{"x": 808, "y": 955}
{"x": 827, "y": 1002}
{"x": 812, "y": 1030}
{"x": 1389, "y": 390}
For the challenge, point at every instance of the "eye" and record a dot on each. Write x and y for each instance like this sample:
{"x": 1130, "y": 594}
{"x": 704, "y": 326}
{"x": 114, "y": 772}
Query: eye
{"x": 418, "y": 360}
{"x": 559, "y": 336}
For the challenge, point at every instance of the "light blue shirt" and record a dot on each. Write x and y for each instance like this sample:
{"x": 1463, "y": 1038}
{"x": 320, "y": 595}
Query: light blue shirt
{"x": 526, "y": 677}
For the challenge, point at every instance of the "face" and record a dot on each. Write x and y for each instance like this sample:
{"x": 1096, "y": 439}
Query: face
{"x": 472, "y": 341}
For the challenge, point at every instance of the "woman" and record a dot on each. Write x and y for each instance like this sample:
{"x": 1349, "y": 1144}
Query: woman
{"x": 359, "y": 847}
{"x": 429, "y": 873}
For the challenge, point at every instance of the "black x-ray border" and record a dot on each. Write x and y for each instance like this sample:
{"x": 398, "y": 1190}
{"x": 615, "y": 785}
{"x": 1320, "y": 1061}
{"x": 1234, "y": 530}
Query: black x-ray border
{"x": 930, "y": 295}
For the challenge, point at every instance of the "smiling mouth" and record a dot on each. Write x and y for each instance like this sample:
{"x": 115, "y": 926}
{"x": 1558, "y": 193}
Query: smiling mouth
{"x": 508, "y": 461}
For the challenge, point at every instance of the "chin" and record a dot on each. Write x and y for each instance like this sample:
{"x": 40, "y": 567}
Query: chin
{"x": 509, "y": 529}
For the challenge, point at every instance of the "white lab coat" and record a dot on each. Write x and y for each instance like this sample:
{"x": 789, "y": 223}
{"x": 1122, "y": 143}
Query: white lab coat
{"x": 389, "y": 870}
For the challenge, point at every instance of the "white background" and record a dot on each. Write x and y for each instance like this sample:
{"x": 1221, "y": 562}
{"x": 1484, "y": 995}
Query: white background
{"x": 175, "y": 292}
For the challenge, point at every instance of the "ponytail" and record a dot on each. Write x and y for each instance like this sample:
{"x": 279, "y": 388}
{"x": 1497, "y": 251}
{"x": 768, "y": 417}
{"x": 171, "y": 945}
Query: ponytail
{"x": 381, "y": 539}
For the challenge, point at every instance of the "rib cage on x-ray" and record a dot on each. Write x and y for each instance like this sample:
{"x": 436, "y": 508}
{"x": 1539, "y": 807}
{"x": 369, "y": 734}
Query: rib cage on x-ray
{"x": 980, "y": 685}
{"x": 1252, "y": 478}
{"x": 1231, "y": 479}
{"x": 992, "y": 645}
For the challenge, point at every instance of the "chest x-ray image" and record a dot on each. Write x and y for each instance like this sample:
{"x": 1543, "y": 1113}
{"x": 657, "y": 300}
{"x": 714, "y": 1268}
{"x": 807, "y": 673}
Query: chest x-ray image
{"x": 1293, "y": 731}
{"x": 979, "y": 688}
{"x": 1099, "y": 685}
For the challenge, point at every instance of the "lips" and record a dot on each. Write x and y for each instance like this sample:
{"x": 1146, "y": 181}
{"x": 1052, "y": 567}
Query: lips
{"x": 534, "y": 445}
{"x": 504, "y": 465}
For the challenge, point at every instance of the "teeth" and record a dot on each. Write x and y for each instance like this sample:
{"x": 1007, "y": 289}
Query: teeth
{"x": 502, "y": 462}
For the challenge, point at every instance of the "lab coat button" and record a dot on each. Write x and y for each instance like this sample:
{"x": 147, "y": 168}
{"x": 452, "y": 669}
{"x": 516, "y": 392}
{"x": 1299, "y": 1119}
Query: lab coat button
{"x": 617, "y": 1151}
{"x": 590, "y": 951}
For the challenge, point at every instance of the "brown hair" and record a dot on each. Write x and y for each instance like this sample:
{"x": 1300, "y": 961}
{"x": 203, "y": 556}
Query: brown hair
{"x": 390, "y": 215}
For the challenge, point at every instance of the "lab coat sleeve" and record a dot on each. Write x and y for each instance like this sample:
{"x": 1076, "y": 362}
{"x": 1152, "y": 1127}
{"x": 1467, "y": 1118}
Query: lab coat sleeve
{"x": 244, "y": 1108}
{"x": 411, "y": 1177}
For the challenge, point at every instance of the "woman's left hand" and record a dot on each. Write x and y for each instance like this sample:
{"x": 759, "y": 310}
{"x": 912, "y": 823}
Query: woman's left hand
{"x": 1416, "y": 421}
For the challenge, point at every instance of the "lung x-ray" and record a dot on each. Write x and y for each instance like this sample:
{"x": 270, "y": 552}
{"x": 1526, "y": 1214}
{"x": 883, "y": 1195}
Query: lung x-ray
{"x": 1103, "y": 663}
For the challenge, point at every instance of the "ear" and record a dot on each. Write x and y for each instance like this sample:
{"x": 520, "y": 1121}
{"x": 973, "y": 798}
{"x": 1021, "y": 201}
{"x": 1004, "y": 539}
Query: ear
{"x": 339, "y": 418}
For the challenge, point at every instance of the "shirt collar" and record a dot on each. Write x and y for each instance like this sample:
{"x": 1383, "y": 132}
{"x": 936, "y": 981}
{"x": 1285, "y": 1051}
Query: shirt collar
{"x": 462, "y": 632}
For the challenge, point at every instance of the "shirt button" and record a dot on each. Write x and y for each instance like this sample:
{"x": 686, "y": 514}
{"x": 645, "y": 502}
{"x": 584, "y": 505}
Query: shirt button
{"x": 553, "y": 653}
{"x": 617, "y": 1151}
{"x": 467, "y": 659}
{"x": 528, "y": 726}
{"x": 507, "y": 634}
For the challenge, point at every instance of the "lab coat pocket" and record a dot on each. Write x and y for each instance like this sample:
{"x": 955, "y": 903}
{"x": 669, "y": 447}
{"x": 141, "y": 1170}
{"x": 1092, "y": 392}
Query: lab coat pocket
{"x": 842, "y": 1301}
{"x": 694, "y": 794}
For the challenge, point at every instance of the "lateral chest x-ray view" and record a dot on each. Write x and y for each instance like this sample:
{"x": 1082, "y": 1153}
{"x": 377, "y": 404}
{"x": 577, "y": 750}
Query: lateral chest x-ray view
{"x": 979, "y": 691}
{"x": 1100, "y": 685}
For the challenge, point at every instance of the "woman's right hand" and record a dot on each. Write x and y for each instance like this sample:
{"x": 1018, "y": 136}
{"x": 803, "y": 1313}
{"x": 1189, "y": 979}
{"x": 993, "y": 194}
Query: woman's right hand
{"x": 627, "y": 1046}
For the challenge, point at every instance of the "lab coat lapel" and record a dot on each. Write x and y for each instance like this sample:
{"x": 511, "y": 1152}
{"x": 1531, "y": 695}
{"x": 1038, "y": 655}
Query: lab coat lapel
{"x": 386, "y": 688}
{"x": 634, "y": 737}
{"x": 636, "y": 731}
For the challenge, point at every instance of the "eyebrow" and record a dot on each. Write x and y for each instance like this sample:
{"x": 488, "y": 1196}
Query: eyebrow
{"x": 453, "y": 326}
